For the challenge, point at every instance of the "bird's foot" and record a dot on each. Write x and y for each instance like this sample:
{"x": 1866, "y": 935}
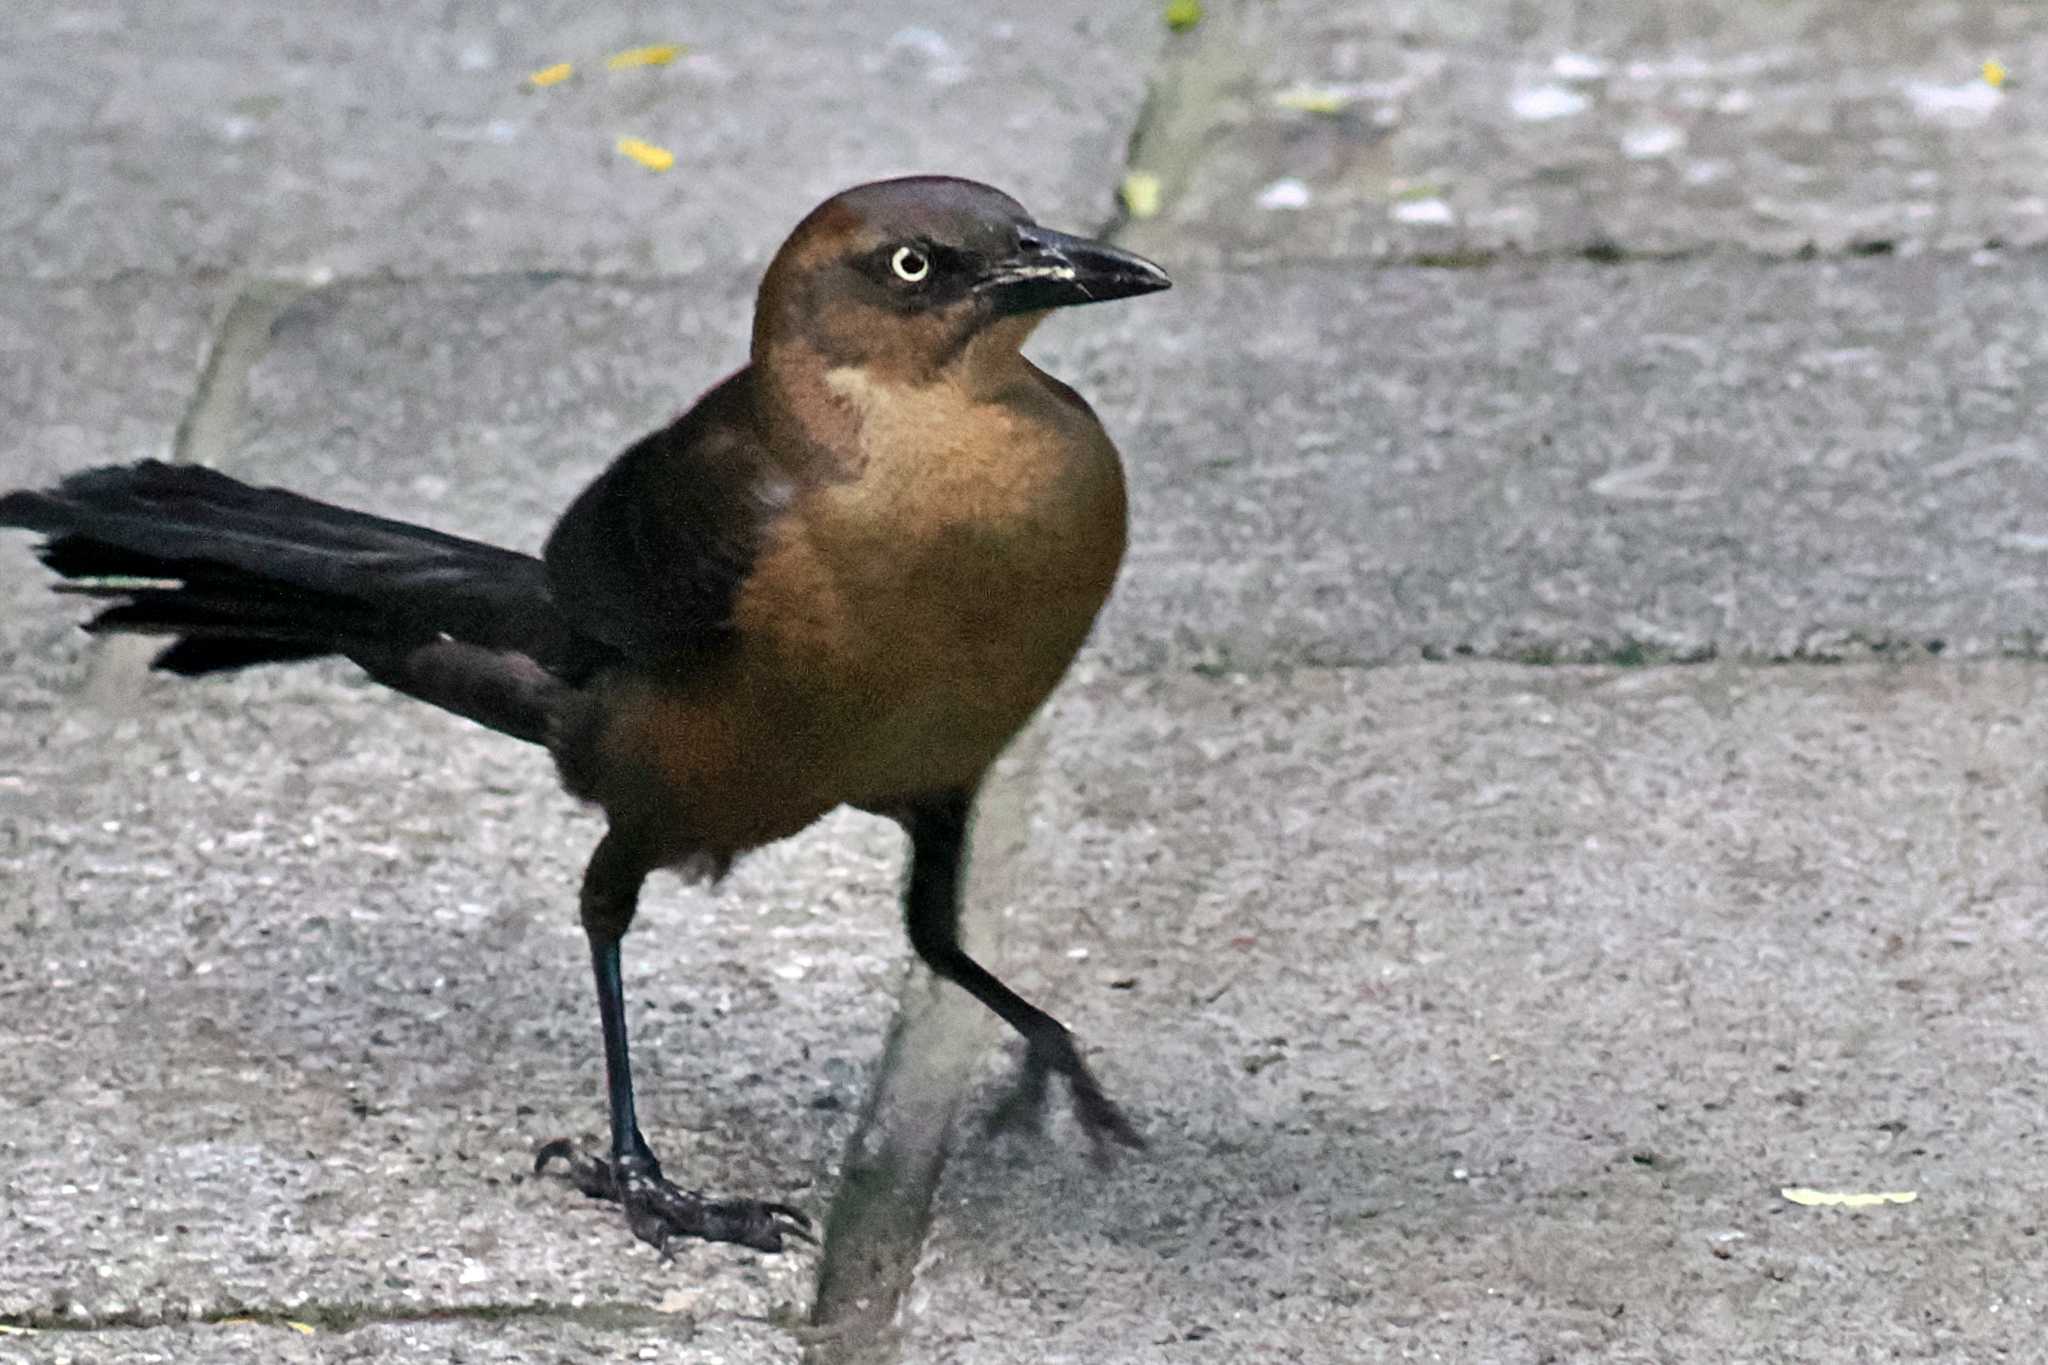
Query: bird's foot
{"x": 657, "y": 1210}
{"x": 1023, "y": 1110}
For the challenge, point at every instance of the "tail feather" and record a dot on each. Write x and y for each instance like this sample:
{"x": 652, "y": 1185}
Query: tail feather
{"x": 196, "y": 525}
{"x": 193, "y": 656}
{"x": 217, "y": 616}
{"x": 242, "y": 575}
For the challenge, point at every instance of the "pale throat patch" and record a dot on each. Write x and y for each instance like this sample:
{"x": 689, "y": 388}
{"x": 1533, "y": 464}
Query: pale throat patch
{"x": 993, "y": 352}
{"x": 857, "y": 387}
{"x": 893, "y": 415}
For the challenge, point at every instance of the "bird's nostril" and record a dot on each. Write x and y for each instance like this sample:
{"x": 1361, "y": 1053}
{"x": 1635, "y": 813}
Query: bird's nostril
{"x": 1030, "y": 241}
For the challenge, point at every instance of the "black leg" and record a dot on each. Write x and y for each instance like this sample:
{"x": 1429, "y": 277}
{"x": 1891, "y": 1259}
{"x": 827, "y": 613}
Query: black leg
{"x": 931, "y": 910}
{"x": 656, "y": 1210}
{"x": 611, "y": 896}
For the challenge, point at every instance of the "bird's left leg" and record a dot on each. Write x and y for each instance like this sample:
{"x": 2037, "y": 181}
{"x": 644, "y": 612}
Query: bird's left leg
{"x": 656, "y": 1209}
{"x": 931, "y": 910}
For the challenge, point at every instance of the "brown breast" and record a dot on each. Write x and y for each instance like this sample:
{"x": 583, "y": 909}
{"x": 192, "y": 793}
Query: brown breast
{"x": 899, "y": 626}
{"x": 922, "y": 608}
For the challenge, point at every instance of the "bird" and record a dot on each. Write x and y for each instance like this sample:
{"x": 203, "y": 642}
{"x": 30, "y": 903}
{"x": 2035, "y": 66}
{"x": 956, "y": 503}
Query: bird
{"x": 845, "y": 577}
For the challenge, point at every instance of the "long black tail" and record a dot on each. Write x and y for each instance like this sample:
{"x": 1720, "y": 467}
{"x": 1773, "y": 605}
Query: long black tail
{"x": 241, "y": 575}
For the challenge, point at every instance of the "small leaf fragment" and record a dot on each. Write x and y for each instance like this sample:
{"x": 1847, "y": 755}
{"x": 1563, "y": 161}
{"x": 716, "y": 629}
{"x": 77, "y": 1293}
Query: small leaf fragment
{"x": 303, "y": 1329}
{"x": 1843, "y": 1199}
{"x": 1141, "y": 193}
{"x": 1312, "y": 99}
{"x": 551, "y": 75}
{"x": 1182, "y": 15}
{"x": 647, "y": 154}
{"x": 1994, "y": 74}
{"x": 661, "y": 54}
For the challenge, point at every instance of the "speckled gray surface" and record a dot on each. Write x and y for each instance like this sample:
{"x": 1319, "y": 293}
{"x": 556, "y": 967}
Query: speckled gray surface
{"x": 1579, "y": 462}
{"x": 304, "y": 983}
{"x": 1302, "y": 130}
{"x": 307, "y": 139}
{"x": 97, "y": 371}
{"x": 554, "y": 1339}
{"x": 1481, "y": 1013}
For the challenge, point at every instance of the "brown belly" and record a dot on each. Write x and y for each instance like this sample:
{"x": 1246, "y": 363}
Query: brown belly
{"x": 831, "y": 705}
{"x": 892, "y": 636}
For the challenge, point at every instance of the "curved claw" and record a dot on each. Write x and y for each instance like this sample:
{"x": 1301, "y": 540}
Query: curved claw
{"x": 658, "y": 1211}
{"x": 796, "y": 1223}
{"x": 553, "y": 1149}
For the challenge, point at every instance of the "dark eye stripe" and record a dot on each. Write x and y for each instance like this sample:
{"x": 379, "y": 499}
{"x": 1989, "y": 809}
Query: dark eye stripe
{"x": 948, "y": 276}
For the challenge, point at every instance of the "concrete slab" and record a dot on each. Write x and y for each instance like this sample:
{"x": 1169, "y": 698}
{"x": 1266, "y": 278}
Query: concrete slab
{"x": 303, "y": 139}
{"x": 302, "y": 988}
{"x": 1338, "y": 465}
{"x": 465, "y": 1341}
{"x": 94, "y": 372}
{"x": 480, "y": 406}
{"x": 1302, "y": 130}
{"x": 301, "y": 983}
{"x": 1480, "y": 1013}
{"x": 89, "y": 372}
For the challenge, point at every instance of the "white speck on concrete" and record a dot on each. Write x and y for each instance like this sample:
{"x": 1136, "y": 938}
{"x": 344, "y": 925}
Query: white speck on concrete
{"x": 1542, "y": 103}
{"x": 1961, "y": 106}
{"x": 1649, "y": 141}
{"x": 1577, "y": 66}
{"x": 942, "y": 64}
{"x": 1424, "y": 212}
{"x": 1287, "y": 193}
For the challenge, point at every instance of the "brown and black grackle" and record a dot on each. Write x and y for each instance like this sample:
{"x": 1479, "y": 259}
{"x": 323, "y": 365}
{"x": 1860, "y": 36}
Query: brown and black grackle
{"x": 847, "y": 576}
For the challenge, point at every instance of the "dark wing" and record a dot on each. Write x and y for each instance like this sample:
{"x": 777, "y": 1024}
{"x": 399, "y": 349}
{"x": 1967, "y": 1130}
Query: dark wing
{"x": 650, "y": 558}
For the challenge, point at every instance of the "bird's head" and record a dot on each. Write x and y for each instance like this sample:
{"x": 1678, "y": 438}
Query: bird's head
{"x": 903, "y": 277}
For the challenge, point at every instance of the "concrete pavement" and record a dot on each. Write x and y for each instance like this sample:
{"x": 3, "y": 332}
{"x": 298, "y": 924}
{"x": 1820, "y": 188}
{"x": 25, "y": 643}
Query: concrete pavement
{"x": 1482, "y": 1012}
{"x": 1558, "y": 769}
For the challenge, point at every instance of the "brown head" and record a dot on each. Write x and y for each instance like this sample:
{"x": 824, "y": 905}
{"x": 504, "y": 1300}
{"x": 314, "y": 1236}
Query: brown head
{"x": 902, "y": 277}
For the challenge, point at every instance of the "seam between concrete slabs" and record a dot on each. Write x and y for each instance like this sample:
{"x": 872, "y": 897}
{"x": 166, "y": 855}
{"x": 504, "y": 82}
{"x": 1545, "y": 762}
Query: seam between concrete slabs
{"x": 1905, "y": 655}
{"x": 882, "y": 1210}
{"x": 339, "y": 1319}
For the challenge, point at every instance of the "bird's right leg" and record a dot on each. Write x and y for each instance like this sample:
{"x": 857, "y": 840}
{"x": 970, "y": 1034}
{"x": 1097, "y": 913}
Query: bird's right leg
{"x": 656, "y": 1209}
{"x": 931, "y": 911}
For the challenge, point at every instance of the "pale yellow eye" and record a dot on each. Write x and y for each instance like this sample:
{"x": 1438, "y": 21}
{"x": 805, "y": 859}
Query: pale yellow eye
{"x": 910, "y": 264}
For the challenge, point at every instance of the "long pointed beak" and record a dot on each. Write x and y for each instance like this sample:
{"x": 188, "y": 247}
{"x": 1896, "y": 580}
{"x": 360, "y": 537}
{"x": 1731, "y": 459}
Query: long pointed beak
{"x": 1054, "y": 270}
